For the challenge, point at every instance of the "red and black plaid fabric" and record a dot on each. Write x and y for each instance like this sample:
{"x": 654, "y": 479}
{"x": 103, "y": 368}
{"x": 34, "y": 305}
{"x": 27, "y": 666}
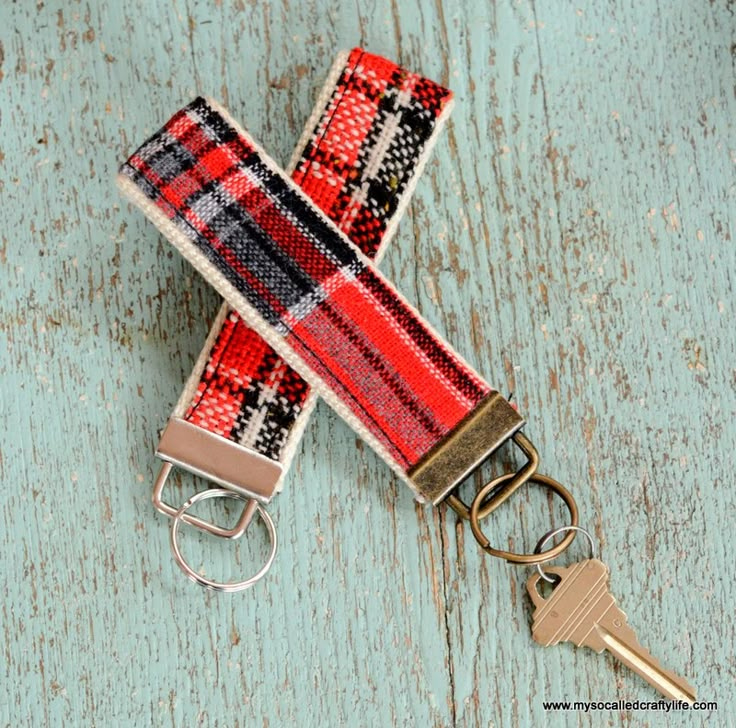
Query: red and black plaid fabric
{"x": 362, "y": 153}
{"x": 367, "y": 145}
{"x": 297, "y": 279}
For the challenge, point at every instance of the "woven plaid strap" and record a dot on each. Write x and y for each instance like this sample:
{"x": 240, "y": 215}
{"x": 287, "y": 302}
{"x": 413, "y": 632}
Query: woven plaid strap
{"x": 359, "y": 157}
{"x": 295, "y": 277}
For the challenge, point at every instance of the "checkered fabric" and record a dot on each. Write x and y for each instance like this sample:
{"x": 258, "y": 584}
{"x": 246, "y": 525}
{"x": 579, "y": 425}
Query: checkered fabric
{"x": 295, "y": 278}
{"x": 359, "y": 157}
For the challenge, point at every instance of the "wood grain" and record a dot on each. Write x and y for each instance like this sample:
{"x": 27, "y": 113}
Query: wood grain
{"x": 571, "y": 236}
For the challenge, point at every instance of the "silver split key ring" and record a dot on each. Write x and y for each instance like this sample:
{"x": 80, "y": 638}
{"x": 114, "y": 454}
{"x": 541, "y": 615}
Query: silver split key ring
{"x": 556, "y": 532}
{"x": 219, "y": 586}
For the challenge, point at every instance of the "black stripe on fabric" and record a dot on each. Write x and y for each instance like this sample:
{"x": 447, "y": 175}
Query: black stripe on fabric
{"x": 320, "y": 234}
{"x": 214, "y": 120}
{"x": 245, "y": 240}
{"x": 257, "y": 251}
{"x": 207, "y": 183}
{"x": 172, "y": 160}
{"x": 414, "y": 127}
{"x": 311, "y": 222}
{"x": 381, "y": 197}
{"x": 204, "y": 239}
{"x": 424, "y": 339}
{"x": 282, "y": 275}
{"x": 234, "y": 228}
{"x": 149, "y": 189}
{"x": 377, "y": 362}
{"x": 334, "y": 384}
{"x": 262, "y": 256}
{"x": 412, "y": 134}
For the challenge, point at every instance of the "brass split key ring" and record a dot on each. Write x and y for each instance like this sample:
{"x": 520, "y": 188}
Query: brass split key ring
{"x": 495, "y": 487}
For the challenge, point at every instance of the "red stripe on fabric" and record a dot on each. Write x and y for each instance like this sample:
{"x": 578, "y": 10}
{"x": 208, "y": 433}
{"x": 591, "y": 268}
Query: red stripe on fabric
{"x": 235, "y": 361}
{"x": 447, "y": 405}
{"x": 219, "y": 160}
{"x": 370, "y": 386}
{"x": 316, "y": 352}
{"x": 181, "y": 124}
{"x": 368, "y": 366}
{"x": 182, "y": 187}
{"x": 179, "y": 189}
{"x": 462, "y": 377}
{"x": 321, "y": 184}
{"x": 217, "y": 411}
{"x": 373, "y": 65}
{"x": 342, "y": 136}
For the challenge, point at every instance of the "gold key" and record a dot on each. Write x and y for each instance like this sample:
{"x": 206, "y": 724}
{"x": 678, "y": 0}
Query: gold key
{"x": 581, "y": 610}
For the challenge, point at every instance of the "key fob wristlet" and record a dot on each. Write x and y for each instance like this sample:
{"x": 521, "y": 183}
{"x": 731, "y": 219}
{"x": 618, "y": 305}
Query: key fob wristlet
{"x": 296, "y": 279}
{"x": 240, "y": 417}
{"x": 309, "y": 290}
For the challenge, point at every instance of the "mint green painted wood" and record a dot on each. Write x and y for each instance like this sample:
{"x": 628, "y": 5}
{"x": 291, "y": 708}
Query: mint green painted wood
{"x": 572, "y": 237}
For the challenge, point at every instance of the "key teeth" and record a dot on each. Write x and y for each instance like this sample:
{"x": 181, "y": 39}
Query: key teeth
{"x": 628, "y": 650}
{"x": 582, "y": 610}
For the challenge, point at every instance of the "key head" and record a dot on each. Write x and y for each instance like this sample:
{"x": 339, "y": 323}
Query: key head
{"x": 578, "y": 601}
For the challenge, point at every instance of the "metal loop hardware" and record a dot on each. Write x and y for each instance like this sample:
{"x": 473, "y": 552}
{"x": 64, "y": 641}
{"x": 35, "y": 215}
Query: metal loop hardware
{"x": 515, "y": 480}
{"x": 251, "y": 508}
{"x": 168, "y": 510}
{"x": 502, "y": 485}
{"x": 555, "y": 532}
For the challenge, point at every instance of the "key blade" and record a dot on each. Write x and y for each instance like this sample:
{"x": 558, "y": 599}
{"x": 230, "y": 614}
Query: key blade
{"x": 623, "y": 645}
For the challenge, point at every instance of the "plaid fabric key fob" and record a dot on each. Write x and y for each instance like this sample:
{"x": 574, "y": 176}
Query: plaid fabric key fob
{"x": 240, "y": 417}
{"x": 296, "y": 279}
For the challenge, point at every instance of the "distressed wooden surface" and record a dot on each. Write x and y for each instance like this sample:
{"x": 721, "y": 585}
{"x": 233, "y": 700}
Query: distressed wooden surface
{"x": 572, "y": 237}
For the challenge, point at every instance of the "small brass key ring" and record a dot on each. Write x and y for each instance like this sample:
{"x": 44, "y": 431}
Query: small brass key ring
{"x": 511, "y": 556}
